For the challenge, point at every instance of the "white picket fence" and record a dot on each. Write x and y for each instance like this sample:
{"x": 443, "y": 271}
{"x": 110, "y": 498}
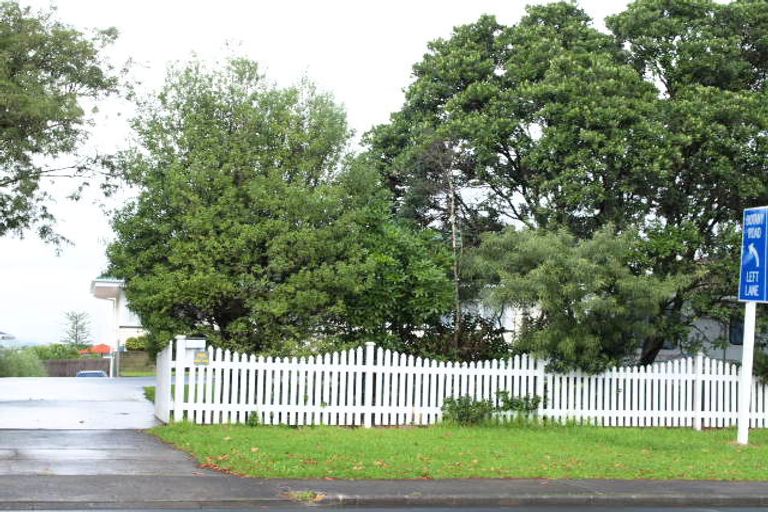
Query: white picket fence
{"x": 370, "y": 386}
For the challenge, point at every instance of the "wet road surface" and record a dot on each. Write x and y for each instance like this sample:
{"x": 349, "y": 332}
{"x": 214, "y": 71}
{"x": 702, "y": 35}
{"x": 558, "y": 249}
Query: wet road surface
{"x": 68, "y": 403}
{"x": 90, "y": 452}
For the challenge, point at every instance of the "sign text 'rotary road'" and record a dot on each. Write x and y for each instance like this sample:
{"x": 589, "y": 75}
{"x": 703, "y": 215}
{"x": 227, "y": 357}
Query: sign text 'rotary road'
{"x": 754, "y": 249}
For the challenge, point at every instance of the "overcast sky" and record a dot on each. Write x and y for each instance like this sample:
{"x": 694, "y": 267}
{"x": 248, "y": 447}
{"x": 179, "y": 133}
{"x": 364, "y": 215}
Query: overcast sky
{"x": 361, "y": 52}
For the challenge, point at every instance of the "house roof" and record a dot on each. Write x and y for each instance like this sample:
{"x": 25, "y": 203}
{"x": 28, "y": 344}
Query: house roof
{"x": 101, "y": 348}
{"x": 106, "y": 287}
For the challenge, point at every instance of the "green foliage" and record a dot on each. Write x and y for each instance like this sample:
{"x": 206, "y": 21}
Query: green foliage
{"x": 760, "y": 364}
{"x": 55, "y": 351}
{"x": 660, "y": 126}
{"x": 465, "y": 410}
{"x": 252, "y": 228}
{"x": 585, "y": 307}
{"x": 253, "y": 419}
{"x": 47, "y": 68}
{"x": 480, "y": 339}
{"x": 136, "y": 343}
{"x": 16, "y": 362}
{"x": 526, "y": 406}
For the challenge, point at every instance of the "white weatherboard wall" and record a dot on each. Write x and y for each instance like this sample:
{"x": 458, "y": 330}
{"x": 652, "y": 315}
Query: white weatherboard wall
{"x": 370, "y": 386}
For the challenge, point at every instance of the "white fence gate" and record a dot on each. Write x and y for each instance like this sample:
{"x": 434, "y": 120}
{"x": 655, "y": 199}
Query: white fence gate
{"x": 372, "y": 386}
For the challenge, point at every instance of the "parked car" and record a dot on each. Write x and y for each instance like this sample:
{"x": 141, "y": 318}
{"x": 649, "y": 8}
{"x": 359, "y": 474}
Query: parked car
{"x": 91, "y": 373}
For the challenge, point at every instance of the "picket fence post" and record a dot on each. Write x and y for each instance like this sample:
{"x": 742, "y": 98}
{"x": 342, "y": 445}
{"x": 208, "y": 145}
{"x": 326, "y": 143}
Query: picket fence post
{"x": 163, "y": 395}
{"x": 181, "y": 361}
{"x": 368, "y": 383}
{"x": 698, "y": 370}
{"x": 540, "y": 392}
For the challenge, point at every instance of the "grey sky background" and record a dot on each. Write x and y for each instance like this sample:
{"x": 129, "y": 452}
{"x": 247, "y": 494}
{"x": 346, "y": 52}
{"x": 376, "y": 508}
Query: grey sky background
{"x": 361, "y": 52}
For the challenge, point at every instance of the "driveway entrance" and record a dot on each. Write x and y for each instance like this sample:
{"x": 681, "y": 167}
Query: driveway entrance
{"x": 70, "y": 403}
{"x": 89, "y": 452}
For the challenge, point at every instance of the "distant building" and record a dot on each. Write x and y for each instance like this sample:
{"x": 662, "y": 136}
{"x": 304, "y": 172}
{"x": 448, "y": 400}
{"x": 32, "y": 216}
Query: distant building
{"x": 125, "y": 323}
{"x": 6, "y": 336}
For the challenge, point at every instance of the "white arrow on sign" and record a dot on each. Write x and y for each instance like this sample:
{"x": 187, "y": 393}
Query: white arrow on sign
{"x": 754, "y": 254}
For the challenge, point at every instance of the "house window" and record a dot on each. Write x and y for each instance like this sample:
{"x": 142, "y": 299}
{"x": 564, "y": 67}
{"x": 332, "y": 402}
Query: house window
{"x": 736, "y": 331}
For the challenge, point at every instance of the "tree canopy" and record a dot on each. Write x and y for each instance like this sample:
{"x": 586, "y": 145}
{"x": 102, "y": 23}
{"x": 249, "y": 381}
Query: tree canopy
{"x": 46, "y": 69}
{"x": 253, "y": 227}
{"x": 658, "y": 126}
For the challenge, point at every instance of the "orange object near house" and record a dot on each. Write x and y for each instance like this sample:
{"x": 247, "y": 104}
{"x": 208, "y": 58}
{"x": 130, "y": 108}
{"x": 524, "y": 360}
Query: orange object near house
{"x": 97, "y": 349}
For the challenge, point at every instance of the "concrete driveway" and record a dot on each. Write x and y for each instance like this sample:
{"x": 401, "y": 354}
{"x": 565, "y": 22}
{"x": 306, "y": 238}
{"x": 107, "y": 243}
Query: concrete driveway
{"x": 90, "y": 452}
{"x": 69, "y": 403}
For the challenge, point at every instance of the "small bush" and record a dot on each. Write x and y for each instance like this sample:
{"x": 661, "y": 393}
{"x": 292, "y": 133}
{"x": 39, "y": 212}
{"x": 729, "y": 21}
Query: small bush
{"x": 465, "y": 410}
{"x": 253, "y": 419}
{"x": 20, "y": 363}
{"x": 136, "y": 343}
{"x": 526, "y": 405}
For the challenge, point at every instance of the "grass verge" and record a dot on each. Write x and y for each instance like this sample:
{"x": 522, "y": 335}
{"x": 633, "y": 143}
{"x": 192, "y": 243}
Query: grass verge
{"x": 137, "y": 373}
{"x": 151, "y": 391}
{"x": 443, "y": 451}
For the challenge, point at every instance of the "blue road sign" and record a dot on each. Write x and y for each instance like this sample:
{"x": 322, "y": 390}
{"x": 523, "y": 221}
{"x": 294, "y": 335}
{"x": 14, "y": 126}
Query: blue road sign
{"x": 754, "y": 250}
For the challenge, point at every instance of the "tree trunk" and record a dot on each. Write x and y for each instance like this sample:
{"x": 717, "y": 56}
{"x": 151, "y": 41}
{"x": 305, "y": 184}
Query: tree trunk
{"x": 653, "y": 345}
{"x": 651, "y": 348}
{"x": 455, "y": 248}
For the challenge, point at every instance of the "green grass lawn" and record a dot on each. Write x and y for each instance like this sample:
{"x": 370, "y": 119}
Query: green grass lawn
{"x": 473, "y": 452}
{"x": 137, "y": 373}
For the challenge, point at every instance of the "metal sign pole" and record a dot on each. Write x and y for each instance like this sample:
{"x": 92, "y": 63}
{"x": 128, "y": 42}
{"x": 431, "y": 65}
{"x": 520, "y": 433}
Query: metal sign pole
{"x": 753, "y": 288}
{"x": 745, "y": 378}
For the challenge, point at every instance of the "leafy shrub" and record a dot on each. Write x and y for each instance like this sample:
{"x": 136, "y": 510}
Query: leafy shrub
{"x": 16, "y": 362}
{"x": 526, "y": 405}
{"x": 136, "y": 343}
{"x": 465, "y": 410}
{"x": 55, "y": 351}
{"x": 253, "y": 419}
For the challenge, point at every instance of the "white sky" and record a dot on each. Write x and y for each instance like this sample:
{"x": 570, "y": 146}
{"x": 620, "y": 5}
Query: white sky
{"x": 361, "y": 52}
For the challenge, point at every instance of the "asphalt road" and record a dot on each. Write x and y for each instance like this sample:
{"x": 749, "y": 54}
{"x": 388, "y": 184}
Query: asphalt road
{"x": 462, "y": 509}
{"x": 67, "y": 403}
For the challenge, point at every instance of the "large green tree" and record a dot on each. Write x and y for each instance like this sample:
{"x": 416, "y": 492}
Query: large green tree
{"x": 659, "y": 126}
{"x": 46, "y": 69}
{"x": 253, "y": 228}
{"x": 708, "y": 61}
